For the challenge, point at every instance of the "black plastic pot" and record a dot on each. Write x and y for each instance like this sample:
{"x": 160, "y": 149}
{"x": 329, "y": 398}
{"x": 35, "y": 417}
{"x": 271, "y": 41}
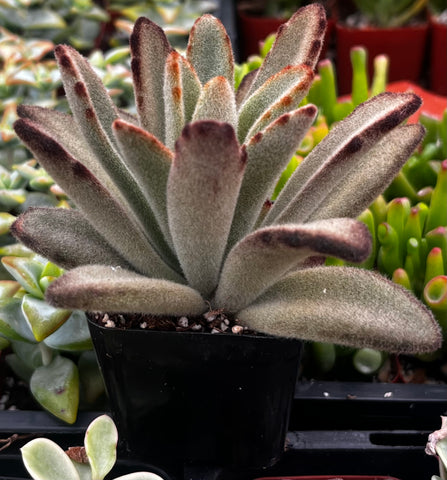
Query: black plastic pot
{"x": 218, "y": 400}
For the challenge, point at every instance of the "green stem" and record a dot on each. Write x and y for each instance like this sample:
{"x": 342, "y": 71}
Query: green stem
{"x": 47, "y": 354}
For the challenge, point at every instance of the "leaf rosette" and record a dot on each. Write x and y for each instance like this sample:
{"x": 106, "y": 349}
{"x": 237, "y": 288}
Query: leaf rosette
{"x": 171, "y": 215}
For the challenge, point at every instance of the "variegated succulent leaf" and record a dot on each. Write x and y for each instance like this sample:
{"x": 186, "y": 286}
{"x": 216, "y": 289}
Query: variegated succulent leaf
{"x": 172, "y": 204}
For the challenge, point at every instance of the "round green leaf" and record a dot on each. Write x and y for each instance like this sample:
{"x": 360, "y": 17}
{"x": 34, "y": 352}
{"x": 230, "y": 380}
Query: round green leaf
{"x": 45, "y": 460}
{"x": 100, "y": 443}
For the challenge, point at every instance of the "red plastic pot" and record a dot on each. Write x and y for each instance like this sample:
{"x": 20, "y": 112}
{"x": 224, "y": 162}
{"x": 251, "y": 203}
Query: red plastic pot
{"x": 253, "y": 29}
{"x": 330, "y": 477}
{"x": 438, "y": 56}
{"x": 405, "y": 47}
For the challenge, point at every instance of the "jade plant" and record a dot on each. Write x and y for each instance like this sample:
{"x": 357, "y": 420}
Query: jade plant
{"x": 50, "y": 347}
{"x": 46, "y": 460}
{"x": 172, "y": 217}
{"x": 437, "y": 446}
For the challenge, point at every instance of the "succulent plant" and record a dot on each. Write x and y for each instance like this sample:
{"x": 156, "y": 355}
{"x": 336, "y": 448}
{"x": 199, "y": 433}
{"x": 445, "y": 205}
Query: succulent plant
{"x": 74, "y": 21}
{"x": 390, "y": 13}
{"x": 171, "y": 216}
{"x": 41, "y": 336}
{"x": 437, "y": 446}
{"x": 45, "y": 460}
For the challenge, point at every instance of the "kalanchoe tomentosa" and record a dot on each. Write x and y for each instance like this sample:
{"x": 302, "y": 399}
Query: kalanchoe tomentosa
{"x": 170, "y": 217}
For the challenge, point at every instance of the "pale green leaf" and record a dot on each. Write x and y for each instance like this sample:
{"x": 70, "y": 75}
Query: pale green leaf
{"x": 45, "y": 460}
{"x": 209, "y": 50}
{"x": 217, "y": 102}
{"x": 372, "y": 174}
{"x": 95, "y": 112}
{"x": 100, "y": 443}
{"x": 56, "y": 388}
{"x": 263, "y": 257}
{"x": 181, "y": 92}
{"x": 72, "y": 336}
{"x": 279, "y": 86}
{"x": 93, "y": 199}
{"x": 298, "y": 41}
{"x": 62, "y": 127}
{"x": 27, "y": 272}
{"x": 139, "y": 476}
{"x": 338, "y": 152}
{"x": 150, "y": 49}
{"x": 42, "y": 318}
{"x": 107, "y": 289}
{"x": 348, "y": 306}
{"x": 13, "y": 324}
{"x": 149, "y": 161}
{"x": 202, "y": 192}
{"x": 268, "y": 154}
{"x": 64, "y": 237}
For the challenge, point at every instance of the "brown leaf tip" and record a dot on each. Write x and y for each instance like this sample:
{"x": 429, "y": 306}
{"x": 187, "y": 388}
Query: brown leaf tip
{"x": 62, "y": 53}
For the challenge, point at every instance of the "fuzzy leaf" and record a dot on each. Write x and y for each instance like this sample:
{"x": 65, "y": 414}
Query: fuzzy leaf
{"x": 268, "y": 153}
{"x": 98, "y": 206}
{"x": 100, "y": 442}
{"x": 45, "y": 460}
{"x": 43, "y": 318}
{"x": 209, "y": 50}
{"x": 202, "y": 192}
{"x": 263, "y": 257}
{"x": 181, "y": 92}
{"x": 372, "y": 175}
{"x": 56, "y": 388}
{"x": 278, "y": 87}
{"x": 244, "y": 87}
{"x": 85, "y": 91}
{"x": 338, "y": 152}
{"x": 348, "y": 306}
{"x": 64, "y": 237}
{"x": 95, "y": 115}
{"x": 298, "y": 41}
{"x": 150, "y": 49}
{"x": 217, "y": 102}
{"x": 149, "y": 161}
{"x": 65, "y": 131}
{"x": 108, "y": 289}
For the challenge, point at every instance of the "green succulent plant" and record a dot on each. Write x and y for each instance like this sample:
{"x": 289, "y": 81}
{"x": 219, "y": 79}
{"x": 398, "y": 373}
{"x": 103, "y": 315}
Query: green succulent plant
{"x": 75, "y": 21}
{"x": 45, "y": 460}
{"x": 25, "y": 75}
{"x": 437, "y": 446}
{"x": 51, "y": 347}
{"x": 390, "y": 13}
{"x": 171, "y": 216}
